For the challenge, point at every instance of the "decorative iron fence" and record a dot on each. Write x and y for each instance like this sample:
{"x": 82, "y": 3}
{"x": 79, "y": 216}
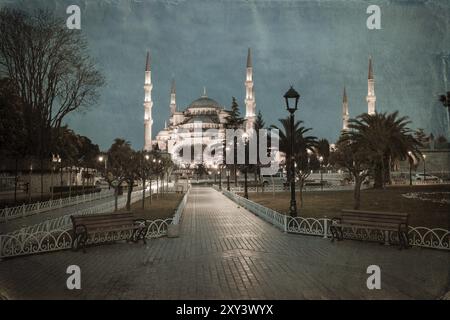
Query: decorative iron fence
{"x": 435, "y": 238}
{"x": 24, "y": 243}
{"x": 277, "y": 219}
{"x": 38, "y": 207}
{"x": 281, "y": 188}
{"x": 56, "y": 234}
{"x": 63, "y": 221}
{"x": 179, "y": 211}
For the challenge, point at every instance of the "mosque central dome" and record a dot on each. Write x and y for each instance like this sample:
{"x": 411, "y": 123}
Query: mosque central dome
{"x": 204, "y": 102}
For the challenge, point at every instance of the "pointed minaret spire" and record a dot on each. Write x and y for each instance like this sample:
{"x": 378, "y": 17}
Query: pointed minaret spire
{"x": 204, "y": 95}
{"x": 172, "y": 88}
{"x": 249, "y": 58}
{"x": 345, "y": 113}
{"x": 371, "y": 98}
{"x": 370, "y": 68}
{"x": 173, "y": 99}
{"x": 250, "y": 103}
{"x": 147, "y": 63}
{"x": 148, "y": 105}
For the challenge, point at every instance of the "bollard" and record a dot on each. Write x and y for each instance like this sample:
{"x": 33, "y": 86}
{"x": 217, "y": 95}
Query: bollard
{"x": 386, "y": 238}
{"x": 325, "y": 228}
{"x": 173, "y": 230}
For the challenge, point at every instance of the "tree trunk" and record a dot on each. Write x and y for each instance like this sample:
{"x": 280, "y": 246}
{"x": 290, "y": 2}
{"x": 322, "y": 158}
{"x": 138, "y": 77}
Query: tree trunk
{"x": 378, "y": 175}
{"x": 129, "y": 191}
{"x": 116, "y": 196}
{"x": 151, "y": 191}
{"x": 301, "y": 192}
{"x": 357, "y": 193}
{"x": 143, "y": 193}
{"x": 387, "y": 172}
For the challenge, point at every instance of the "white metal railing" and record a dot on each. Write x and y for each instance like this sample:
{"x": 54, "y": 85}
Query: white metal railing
{"x": 24, "y": 243}
{"x": 179, "y": 211}
{"x": 7, "y": 214}
{"x": 63, "y": 221}
{"x": 435, "y": 238}
{"x": 281, "y": 188}
{"x": 271, "y": 216}
{"x": 56, "y": 234}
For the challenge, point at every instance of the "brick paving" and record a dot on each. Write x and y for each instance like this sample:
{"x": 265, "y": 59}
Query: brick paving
{"x": 225, "y": 252}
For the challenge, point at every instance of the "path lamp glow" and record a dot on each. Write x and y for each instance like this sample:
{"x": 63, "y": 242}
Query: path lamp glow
{"x": 55, "y": 159}
{"x": 410, "y": 159}
{"x": 291, "y": 97}
{"x": 103, "y": 159}
{"x": 245, "y": 137}
{"x": 145, "y": 158}
{"x": 424, "y": 156}
{"x": 321, "y": 173}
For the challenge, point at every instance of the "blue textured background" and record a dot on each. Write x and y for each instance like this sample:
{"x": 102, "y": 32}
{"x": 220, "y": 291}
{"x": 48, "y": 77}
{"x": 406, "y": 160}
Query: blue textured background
{"x": 318, "y": 46}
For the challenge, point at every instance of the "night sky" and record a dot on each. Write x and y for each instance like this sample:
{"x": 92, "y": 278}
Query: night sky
{"x": 317, "y": 46}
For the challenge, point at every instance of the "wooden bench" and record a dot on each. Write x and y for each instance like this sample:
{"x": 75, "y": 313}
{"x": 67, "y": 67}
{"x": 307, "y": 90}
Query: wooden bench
{"x": 88, "y": 225}
{"x": 385, "y": 222}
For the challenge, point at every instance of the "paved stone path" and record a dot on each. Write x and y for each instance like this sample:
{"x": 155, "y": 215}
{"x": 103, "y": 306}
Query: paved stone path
{"x": 225, "y": 252}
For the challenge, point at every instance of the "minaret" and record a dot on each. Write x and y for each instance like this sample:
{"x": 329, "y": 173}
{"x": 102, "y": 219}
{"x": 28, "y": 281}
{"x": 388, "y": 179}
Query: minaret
{"x": 173, "y": 99}
{"x": 371, "y": 98}
{"x": 148, "y": 104}
{"x": 250, "y": 104}
{"x": 345, "y": 114}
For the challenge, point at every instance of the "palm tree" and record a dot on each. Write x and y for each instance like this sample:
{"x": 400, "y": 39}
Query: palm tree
{"x": 303, "y": 145}
{"x": 323, "y": 149}
{"x": 445, "y": 100}
{"x": 387, "y": 138}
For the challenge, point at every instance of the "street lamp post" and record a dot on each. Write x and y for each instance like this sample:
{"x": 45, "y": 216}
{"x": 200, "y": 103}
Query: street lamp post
{"x": 410, "y": 167}
{"x": 321, "y": 173}
{"x": 61, "y": 178}
{"x": 294, "y": 96}
{"x": 228, "y": 179}
{"x": 424, "y": 168}
{"x": 144, "y": 158}
{"x": 29, "y": 184}
{"x": 220, "y": 177}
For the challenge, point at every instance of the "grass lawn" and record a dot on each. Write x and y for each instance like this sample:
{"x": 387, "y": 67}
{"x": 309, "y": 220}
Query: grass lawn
{"x": 330, "y": 203}
{"x": 161, "y": 208}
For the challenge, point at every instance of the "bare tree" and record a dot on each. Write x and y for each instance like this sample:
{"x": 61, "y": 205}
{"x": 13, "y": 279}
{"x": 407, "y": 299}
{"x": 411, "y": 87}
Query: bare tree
{"x": 50, "y": 69}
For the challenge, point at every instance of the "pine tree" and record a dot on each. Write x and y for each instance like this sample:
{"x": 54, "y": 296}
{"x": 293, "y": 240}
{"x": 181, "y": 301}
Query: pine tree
{"x": 234, "y": 118}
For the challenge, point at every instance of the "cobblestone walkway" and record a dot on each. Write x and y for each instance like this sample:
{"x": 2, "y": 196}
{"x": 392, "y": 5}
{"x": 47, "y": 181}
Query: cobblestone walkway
{"x": 225, "y": 252}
